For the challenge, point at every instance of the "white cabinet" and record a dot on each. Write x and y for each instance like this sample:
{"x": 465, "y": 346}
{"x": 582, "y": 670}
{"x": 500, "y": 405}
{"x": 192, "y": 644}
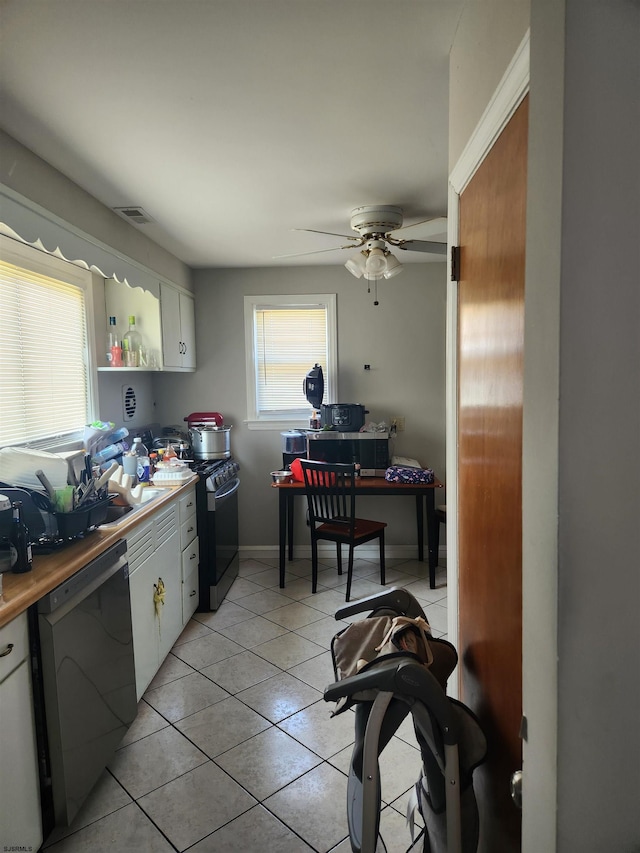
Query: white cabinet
{"x": 178, "y": 329}
{"x": 155, "y": 582}
{"x": 190, "y": 554}
{"x": 121, "y": 302}
{"x": 20, "y": 820}
{"x": 165, "y": 319}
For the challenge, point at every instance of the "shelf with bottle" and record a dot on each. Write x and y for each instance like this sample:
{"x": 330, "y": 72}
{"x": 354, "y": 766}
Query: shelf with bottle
{"x": 137, "y": 342}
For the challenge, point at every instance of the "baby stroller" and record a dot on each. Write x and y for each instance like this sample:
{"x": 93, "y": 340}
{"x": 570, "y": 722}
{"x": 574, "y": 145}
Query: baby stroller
{"x": 388, "y": 665}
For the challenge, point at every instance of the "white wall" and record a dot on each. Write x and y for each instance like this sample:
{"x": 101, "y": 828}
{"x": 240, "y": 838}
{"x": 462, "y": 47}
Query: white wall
{"x": 402, "y": 339}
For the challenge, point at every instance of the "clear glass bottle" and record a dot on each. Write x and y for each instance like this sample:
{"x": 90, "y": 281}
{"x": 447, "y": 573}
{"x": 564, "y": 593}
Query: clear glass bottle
{"x": 131, "y": 345}
{"x": 19, "y": 543}
{"x": 114, "y": 350}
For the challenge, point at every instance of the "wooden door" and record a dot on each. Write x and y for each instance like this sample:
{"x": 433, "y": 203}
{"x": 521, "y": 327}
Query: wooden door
{"x": 490, "y": 385}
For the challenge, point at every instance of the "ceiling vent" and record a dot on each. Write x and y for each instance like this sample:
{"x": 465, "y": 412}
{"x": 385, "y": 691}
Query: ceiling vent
{"x": 134, "y": 214}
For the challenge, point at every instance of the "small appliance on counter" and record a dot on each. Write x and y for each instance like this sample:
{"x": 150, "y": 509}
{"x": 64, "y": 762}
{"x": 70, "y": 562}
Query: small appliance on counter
{"x": 208, "y": 435}
{"x": 344, "y": 417}
{"x": 369, "y": 450}
{"x": 294, "y": 446}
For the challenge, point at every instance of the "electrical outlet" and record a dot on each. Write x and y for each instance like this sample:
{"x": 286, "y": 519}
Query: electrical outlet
{"x": 398, "y": 423}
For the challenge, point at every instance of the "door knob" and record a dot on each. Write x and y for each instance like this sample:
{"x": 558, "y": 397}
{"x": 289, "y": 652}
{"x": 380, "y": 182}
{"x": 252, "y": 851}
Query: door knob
{"x": 516, "y": 788}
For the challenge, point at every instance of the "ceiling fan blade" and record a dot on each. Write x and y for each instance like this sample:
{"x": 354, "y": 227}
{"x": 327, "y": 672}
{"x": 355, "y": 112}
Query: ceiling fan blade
{"x": 330, "y": 233}
{"x": 435, "y": 225}
{"x": 315, "y": 252}
{"x": 423, "y": 246}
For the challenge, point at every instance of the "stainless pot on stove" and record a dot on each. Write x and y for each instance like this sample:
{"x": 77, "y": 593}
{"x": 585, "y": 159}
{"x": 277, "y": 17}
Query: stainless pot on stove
{"x": 209, "y": 436}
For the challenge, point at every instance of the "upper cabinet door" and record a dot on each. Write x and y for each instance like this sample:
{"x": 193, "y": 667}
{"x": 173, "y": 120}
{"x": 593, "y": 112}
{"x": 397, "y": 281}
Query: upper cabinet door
{"x": 178, "y": 329}
{"x": 188, "y": 331}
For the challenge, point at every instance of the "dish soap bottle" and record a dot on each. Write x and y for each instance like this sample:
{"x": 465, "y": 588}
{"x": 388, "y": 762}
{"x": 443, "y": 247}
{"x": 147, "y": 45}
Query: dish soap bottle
{"x": 131, "y": 345}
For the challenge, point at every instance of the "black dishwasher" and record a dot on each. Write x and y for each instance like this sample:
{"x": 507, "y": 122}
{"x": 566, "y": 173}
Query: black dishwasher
{"x": 87, "y": 676}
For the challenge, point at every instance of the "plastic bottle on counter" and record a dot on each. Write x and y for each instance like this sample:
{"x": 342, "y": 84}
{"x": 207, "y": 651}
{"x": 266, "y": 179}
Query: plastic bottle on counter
{"x": 131, "y": 345}
{"x": 109, "y": 452}
{"x": 140, "y": 451}
{"x": 19, "y": 543}
{"x": 114, "y": 349}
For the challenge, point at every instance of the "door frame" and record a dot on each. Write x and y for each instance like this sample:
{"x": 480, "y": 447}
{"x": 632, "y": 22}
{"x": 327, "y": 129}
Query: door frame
{"x": 508, "y": 96}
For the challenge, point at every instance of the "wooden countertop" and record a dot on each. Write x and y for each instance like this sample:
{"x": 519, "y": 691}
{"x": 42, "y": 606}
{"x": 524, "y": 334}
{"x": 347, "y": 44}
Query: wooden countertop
{"x": 50, "y": 570}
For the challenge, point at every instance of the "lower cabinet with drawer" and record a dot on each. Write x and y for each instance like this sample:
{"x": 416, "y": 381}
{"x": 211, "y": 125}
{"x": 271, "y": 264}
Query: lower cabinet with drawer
{"x": 155, "y": 582}
{"x": 190, "y": 554}
{"x": 20, "y": 818}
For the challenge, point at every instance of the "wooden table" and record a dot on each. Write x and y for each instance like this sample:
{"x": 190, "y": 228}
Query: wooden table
{"x": 424, "y": 493}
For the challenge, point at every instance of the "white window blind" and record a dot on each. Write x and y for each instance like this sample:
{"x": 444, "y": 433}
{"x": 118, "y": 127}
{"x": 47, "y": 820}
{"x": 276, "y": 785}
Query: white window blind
{"x": 289, "y": 341}
{"x": 286, "y": 337}
{"x": 44, "y": 371}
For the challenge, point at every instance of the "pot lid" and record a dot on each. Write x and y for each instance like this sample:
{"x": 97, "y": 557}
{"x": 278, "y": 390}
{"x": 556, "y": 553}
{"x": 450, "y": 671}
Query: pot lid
{"x": 205, "y": 418}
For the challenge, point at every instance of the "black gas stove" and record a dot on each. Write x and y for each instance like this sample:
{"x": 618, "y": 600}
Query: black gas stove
{"x": 217, "y": 518}
{"x": 216, "y": 472}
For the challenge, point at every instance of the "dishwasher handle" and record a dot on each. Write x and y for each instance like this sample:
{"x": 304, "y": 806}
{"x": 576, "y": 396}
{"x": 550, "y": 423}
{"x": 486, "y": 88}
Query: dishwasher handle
{"x": 86, "y": 579}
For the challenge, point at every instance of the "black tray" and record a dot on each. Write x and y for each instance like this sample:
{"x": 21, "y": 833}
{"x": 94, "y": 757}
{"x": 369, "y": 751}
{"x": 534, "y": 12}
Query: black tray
{"x": 78, "y": 522}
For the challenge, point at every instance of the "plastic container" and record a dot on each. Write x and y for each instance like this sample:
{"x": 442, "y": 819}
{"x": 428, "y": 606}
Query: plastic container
{"x": 139, "y": 450}
{"x": 110, "y": 452}
{"x": 72, "y": 524}
{"x": 169, "y": 477}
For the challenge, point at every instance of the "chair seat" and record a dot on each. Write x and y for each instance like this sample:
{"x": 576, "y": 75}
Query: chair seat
{"x": 363, "y": 528}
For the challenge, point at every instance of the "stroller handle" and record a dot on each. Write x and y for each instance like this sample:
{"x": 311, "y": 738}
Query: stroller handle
{"x": 397, "y": 599}
{"x": 403, "y": 678}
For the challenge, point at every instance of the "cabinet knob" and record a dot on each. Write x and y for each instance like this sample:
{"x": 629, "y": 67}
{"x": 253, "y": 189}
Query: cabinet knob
{"x": 192, "y": 557}
{"x": 192, "y": 593}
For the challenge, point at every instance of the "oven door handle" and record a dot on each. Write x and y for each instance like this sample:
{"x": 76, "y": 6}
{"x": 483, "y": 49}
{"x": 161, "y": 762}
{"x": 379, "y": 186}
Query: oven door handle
{"x": 227, "y": 490}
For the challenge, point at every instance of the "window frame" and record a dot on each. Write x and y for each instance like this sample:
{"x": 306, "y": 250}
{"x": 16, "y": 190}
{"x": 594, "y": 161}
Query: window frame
{"x": 328, "y": 301}
{"x": 43, "y": 263}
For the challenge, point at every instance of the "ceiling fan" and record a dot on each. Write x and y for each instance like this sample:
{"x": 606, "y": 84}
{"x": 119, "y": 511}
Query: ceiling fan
{"x": 376, "y": 225}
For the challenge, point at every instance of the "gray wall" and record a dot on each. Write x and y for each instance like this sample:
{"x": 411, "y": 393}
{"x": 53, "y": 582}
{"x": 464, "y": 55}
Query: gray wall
{"x": 599, "y": 431}
{"x": 487, "y": 37}
{"x": 581, "y": 477}
{"x": 402, "y": 339}
{"x": 21, "y": 170}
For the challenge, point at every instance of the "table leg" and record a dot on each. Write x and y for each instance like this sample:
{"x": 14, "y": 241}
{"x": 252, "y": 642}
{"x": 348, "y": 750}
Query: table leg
{"x": 282, "y": 531}
{"x": 432, "y": 534}
{"x": 290, "y": 523}
{"x": 420, "y": 522}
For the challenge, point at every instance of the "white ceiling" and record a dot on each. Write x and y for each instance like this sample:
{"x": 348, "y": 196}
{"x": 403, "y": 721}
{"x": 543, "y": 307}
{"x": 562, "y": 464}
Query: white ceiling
{"x": 232, "y": 122}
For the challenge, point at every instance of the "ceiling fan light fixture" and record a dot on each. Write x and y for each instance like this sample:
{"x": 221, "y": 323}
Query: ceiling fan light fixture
{"x": 376, "y": 263}
{"x": 356, "y": 264}
{"x": 394, "y": 267}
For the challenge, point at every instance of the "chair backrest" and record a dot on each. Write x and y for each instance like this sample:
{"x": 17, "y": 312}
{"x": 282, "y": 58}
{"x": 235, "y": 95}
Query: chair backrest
{"x": 331, "y": 493}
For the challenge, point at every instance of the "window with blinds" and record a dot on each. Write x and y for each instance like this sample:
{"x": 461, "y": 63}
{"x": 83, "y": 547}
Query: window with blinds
{"x": 286, "y": 336}
{"x": 45, "y": 385}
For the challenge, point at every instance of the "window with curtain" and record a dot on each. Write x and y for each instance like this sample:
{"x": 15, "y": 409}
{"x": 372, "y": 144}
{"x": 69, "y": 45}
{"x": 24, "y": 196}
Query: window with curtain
{"x": 45, "y": 374}
{"x": 285, "y": 337}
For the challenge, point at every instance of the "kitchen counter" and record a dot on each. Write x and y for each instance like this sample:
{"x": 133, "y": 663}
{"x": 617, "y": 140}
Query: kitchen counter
{"x": 49, "y": 570}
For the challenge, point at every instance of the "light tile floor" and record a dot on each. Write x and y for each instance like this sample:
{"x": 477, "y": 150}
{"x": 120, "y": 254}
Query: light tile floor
{"x": 233, "y": 748}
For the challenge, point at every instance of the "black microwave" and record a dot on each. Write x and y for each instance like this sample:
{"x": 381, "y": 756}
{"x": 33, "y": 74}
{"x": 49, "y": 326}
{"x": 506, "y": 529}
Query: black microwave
{"x": 370, "y": 450}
